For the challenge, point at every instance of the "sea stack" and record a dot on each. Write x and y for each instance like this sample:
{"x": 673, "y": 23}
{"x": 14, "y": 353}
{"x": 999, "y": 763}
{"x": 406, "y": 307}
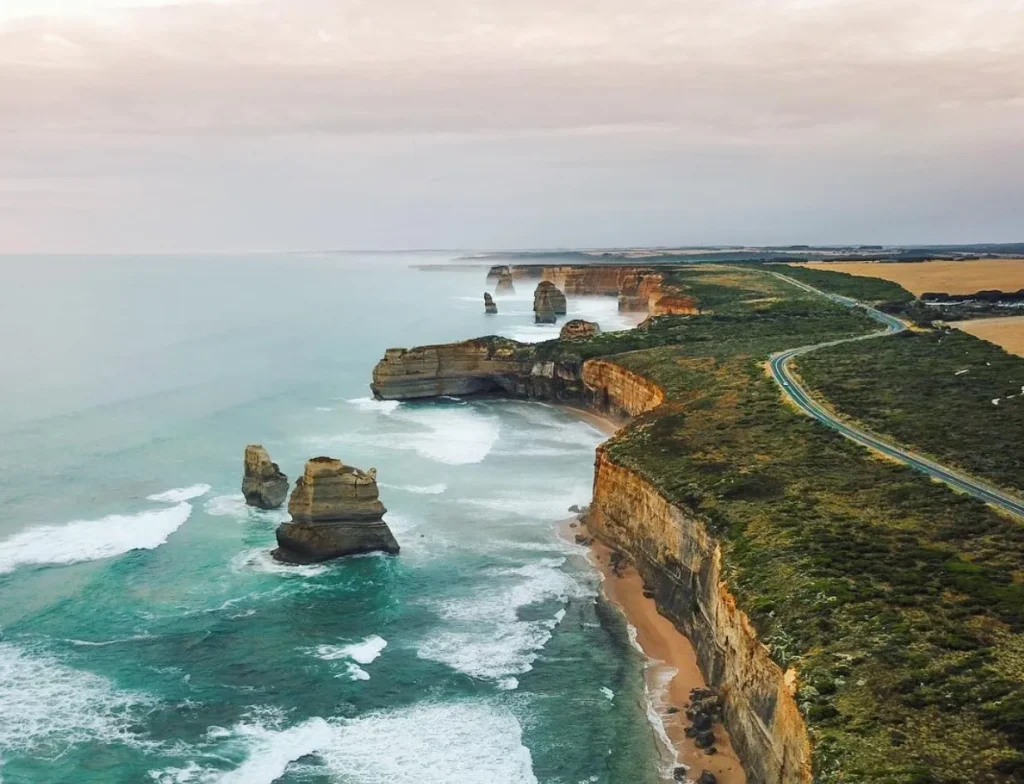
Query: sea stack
{"x": 578, "y": 328}
{"x": 263, "y": 484}
{"x": 505, "y": 284}
{"x": 335, "y": 512}
{"x": 494, "y": 273}
{"x": 548, "y": 303}
{"x": 489, "y": 307}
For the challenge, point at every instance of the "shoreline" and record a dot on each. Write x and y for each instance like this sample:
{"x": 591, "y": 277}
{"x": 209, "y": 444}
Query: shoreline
{"x": 671, "y": 670}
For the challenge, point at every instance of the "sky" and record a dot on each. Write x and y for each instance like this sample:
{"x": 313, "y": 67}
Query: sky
{"x": 148, "y": 126}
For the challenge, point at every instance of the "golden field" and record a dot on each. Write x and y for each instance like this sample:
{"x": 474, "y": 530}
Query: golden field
{"x": 952, "y": 277}
{"x": 1007, "y": 332}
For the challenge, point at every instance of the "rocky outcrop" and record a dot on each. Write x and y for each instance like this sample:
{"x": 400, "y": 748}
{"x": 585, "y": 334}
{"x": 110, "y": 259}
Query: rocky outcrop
{"x": 467, "y": 368}
{"x": 578, "y": 328}
{"x": 612, "y": 389}
{"x": 489, "y": 307}
{"x": 682, "y": 563}
{"x": 505, "y": 284}
{"x": 637, "y": 288}
{"x": 263, "y": 483}
{"x": 548, "y": 303}
{"x": 494, "y": 273}
{"x": 674, "y": 305}
{"x": 335, "y": 512}
{"x": 679, "y": 559}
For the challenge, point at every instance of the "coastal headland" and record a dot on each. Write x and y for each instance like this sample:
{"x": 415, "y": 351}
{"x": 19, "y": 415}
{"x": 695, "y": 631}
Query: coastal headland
{"x": 842, "y": 606}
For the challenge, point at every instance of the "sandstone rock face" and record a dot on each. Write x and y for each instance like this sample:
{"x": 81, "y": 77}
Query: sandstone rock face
{"x": 674, "y": 305}
{"x": 612, "y": 389}
{"x": 470, "y": 367}
{"x": 494, "y": 273}
{"x": 489, "y": 307}
{"x": 548, "y": 302}
{"x": 578, "y": 328}
{"x": 335, "y": 512}
{"x": 505, "y": 284}
{"x": 263, "y": 484}
{"x": 682, "y": 562}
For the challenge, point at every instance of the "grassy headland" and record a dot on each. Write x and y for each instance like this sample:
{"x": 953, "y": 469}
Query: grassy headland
{"x": 900, "y": 602}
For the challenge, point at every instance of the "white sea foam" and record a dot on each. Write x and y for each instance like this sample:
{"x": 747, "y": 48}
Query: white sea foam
{"x": 179, "y": 494}
{"x": 89, "y": 540}
{"x": 259, "y": 559}
{"x": 364, "y": 652}
{"x": 234, "y": 506}
{"x": 535, "y": 506}
{"x": 417, "y": 489}
{"x": 453, "y": 435}
{"x": 486, "y": 638}
{"x": 450, "y": 435}
{"x": 374, "y": 405}
{"x": 104, "y": 643}
{"x": 608, "y": 693}
{"x": 453, "y": 743}
{"x": 49, "y": 706}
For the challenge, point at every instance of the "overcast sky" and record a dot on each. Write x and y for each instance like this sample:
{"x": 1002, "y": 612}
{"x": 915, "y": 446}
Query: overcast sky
{"x": 315, "y": 124}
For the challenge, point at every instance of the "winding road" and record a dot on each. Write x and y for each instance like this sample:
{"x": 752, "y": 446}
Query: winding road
{"x": 801, "y": 397}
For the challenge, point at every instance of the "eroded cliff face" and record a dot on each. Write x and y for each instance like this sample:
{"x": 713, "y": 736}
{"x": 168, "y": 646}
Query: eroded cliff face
{"x": 611, "y": 389}
{"x": 672, "y": 549}
{"x": 682, "y": 563}
{"x": 673, "y": 305}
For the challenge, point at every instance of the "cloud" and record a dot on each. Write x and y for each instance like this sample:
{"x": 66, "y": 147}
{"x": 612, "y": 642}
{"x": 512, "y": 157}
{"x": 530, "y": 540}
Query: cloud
{"x": 357, "y": 123}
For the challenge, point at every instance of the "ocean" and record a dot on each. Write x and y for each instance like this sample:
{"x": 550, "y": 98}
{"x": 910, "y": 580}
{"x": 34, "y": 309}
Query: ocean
{"x": 145, "y": 633}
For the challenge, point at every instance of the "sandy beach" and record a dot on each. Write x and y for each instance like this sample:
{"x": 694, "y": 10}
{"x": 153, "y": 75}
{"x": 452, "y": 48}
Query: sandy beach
{"x": 672, "y": 670}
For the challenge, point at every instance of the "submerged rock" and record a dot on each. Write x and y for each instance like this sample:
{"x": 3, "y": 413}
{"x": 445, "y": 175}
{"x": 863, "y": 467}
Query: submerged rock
{"x": 505, "y": 284}
{"x": 335, "y": 512}
{"x": 489, "y": 307}
{"x": 263, "y": 484}
{"x": 578, "y": 328}
{"x": 547, "y": 297}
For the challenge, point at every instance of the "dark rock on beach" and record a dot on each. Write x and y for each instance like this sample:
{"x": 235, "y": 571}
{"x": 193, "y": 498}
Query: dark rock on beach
{"x": 335, "y": 512}
{"x": 263, "y": 483}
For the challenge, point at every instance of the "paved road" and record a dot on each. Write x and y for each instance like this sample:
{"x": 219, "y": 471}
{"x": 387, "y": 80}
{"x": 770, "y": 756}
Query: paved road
{"x": 802, "y": 398}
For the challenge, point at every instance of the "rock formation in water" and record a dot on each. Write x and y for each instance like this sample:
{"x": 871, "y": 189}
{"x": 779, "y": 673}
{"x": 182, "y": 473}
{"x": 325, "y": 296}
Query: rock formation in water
{"x": 505, "y": 284}
{"x": 263, "y": 484}
{"x": 494, "y": 273}
{"x": 548, "y": 303}
{"x": 335, "y": 512}
{"x": 489, "y": 307}
{"x": 578, "y": 328}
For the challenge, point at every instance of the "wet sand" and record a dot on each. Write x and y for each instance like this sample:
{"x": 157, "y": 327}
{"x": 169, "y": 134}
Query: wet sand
{"x": 672, "y": 671}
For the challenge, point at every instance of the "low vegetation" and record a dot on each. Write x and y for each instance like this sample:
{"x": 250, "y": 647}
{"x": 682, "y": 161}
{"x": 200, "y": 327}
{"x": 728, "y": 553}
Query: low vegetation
{"x": 871, "y": 290}
{"x": 947, "y": 394}
{"x": 900, "y": 602}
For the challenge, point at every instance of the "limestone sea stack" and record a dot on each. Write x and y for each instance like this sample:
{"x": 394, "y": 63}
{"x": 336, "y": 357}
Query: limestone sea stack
{"x": 336, "y": 511}
{"x": 489, "y": 307}
{"x": 505, "y": 284}
{"x": 494, "y": 273}
{"x": 263, "y": 484}
{"x": 548, "y": 303}
{"x": 578, "y": 328}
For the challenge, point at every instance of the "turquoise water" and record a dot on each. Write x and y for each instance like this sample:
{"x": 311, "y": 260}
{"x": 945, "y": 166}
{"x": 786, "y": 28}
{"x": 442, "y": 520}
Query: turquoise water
{"x": 145, "y": 634}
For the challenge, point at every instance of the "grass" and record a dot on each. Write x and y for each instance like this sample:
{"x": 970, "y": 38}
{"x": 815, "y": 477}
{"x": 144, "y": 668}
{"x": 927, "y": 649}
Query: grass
{"x": 900, "y": 602}
{"x": 872, "y": 290}
{"x": 932, "y": 391}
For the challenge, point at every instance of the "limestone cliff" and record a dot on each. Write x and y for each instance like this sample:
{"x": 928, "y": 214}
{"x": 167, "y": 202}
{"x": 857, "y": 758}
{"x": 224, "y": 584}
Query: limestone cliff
{"x": 671, "y": 547}
{"x": 263, "y": 483}
{"x": 673, "y": 305}
{"x": 548, "y": 301}
{"x": 505, "y": 283}
{"x": 612, "y": 389}
{"x": 578, "y": 328}
{"x": 336, "y": 511}
{"x": 489, "y": 307}
{"x": 682, "y": 563}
